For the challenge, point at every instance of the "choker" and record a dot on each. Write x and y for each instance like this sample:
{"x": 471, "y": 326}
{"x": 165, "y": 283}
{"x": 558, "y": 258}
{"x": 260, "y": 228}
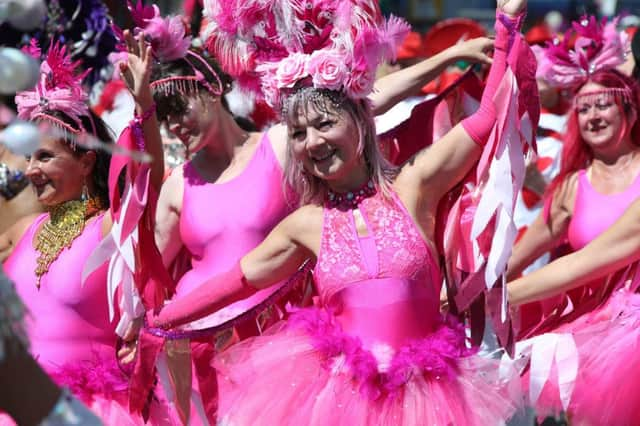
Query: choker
{"x": 350, "y": 200}
{"x": 66, "y": 222}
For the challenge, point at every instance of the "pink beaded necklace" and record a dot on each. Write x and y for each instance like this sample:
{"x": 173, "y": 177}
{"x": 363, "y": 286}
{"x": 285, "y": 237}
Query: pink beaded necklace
{"x": 350, "y": 200}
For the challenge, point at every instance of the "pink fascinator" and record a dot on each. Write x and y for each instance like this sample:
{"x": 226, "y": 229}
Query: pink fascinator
{"x": 59, "y": 88}
{"x": 269, "y": 46}
{"x": 170, "y": 42}
{"x": 597, "y": 45}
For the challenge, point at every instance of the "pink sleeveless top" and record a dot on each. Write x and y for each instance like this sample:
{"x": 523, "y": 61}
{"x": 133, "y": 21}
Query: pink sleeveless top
{"x": 384, "y": 287}
{"x": 221, "y": 222}
{"x": 68, "y": 322}
{"x": 594, "y": 212}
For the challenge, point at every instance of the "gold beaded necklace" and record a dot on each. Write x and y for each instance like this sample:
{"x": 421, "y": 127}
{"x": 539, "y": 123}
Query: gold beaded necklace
{"x": 66, "y": 222}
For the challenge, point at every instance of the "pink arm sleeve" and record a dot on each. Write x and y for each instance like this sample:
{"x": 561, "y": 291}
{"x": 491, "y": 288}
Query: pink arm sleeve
{"x": 208, "y": 298}
{"x": 479, "y": 125}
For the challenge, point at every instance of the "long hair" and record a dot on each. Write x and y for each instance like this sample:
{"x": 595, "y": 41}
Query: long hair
{"x": 576, "y": 153}
{"x": 312, "y": 189}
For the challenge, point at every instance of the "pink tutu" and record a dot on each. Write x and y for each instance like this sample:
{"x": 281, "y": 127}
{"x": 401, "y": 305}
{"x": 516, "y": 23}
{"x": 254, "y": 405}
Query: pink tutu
{"x": 608, "y": 386}
{"x": 608, "y": 382}
{"x": 307, "y": 371}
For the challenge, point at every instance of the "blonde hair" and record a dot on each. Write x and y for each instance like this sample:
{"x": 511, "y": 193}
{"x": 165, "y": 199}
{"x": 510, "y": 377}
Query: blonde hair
{"x": 311, "y": 189}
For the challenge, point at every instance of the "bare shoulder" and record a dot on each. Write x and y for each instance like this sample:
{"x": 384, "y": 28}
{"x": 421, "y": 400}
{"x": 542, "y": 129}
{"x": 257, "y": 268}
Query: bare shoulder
{"x": 172, "y": 189}
{"x": 565, "y": 194}
{"x": 278, "y": 137}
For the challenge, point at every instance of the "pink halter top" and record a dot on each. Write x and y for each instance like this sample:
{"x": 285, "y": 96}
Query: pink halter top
{"x": 68, "y": 322}
{"x": 594, "y": 212}
{"x": 383, "y": 287}
{"x": 222, "y": 222}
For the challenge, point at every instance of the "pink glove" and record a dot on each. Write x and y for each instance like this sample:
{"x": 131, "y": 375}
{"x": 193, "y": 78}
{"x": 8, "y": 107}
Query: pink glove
{"x": 209, "y": 297}
{"x": 479, "y": 125}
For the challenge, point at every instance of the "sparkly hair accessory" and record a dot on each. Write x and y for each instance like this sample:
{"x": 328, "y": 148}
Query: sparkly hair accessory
{"x": 270, "y": 46}
{"x": 605, "y": 95}
{"x": 169, "y": 42}
{"x": 58, "y": 89}
{"x": 597, "y": 45}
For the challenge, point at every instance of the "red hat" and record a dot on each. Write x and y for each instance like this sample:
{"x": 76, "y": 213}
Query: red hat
{"x": 449, "y": 32}
{"x": 538, "y": 34}
{"x": 411, "y": 46}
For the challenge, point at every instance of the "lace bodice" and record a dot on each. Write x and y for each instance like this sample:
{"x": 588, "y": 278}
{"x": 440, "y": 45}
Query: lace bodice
{"x": 393, "y": 248}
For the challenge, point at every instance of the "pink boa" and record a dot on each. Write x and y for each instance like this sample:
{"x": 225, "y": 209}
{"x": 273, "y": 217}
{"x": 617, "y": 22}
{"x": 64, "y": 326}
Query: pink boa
{"x": 435, "y": 356}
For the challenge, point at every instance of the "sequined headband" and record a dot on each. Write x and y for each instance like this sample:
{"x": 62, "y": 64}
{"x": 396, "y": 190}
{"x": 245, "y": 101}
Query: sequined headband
{"x": 625, "y": 94}
{"x": 188, "y": 84}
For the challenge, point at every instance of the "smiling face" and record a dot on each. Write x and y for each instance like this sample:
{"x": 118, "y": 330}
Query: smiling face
{"x": 325, "y": 140}
{"x": 191, "y": 123}
{"x": 600, "y": 119}
{"x": 57, "y": 173}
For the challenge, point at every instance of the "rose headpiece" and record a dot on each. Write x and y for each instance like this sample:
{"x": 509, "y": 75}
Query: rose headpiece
{"x": 271, "y": 46}
{"x": 59, "y": 88}
{"x": 598, "y": 45}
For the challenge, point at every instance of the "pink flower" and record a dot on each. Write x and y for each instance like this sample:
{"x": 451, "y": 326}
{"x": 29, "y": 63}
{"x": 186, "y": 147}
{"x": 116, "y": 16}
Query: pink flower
{"x": 269, "y": 84}
{"x": 360, "y": 84}
{"x": 291, "y": 69}
{"x": 328, "y": 69}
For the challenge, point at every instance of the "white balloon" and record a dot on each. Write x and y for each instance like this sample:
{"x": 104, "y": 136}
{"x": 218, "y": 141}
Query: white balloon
{"x": 24, "y": 15}
{"x": 18, "y": 71}
{"x": 21, "y": 137}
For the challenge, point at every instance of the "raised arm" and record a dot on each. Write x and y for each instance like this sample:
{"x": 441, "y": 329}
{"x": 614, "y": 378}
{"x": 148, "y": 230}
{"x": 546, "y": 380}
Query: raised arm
{"x": 392, "y": 88}
{"x": 275, "y": 259}
{"x": 136, "y": 73}
{"x": 440, "y": 167}
{"x": 616, "y": 247}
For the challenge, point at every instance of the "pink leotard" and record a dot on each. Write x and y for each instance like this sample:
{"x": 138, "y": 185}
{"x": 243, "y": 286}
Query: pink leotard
{"x": 222, "y": 222}
{"x": 594, "y": 212}
{"x": 382, "y": 287}
{"x": 68, "y": 322}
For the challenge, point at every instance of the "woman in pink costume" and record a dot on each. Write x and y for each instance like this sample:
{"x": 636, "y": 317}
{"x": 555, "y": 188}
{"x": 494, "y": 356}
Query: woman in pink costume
{"x": 606, "y": 389}
{"x": 600, "y": 163}
{"x": 226, "y": 199}
{"x": 358, "y": 357}
{"x": 69, "y": 328}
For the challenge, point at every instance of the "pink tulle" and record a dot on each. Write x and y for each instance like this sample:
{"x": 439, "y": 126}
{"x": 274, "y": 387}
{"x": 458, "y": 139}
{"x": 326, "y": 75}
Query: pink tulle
{"x": 606, "y": 389}
{"x": 308, "y": 372}
{"x": 435, "y": 355}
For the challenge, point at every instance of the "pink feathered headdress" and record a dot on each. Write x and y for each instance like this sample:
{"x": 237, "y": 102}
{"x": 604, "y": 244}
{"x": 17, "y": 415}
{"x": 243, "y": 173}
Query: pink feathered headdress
{"x": 271, "y": 45}
{"x": 598, "y": 45}
{"x": 169, "y": 42}
{"x": 58, "y": 89}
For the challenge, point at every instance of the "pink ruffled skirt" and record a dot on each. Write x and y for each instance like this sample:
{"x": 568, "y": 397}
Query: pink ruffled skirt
{"x": 607, "y": 386}
{"x": 307, "y": 371}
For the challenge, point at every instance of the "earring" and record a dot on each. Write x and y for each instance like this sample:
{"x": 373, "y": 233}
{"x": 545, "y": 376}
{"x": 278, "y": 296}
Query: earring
{"x": 85, "y": 192}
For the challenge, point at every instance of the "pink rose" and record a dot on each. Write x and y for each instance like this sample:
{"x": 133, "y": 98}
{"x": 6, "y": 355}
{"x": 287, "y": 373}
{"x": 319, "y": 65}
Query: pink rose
{"x": 291, "y": 69}
{"x": 360, "y": 84}
{"x": 328, "y": 69}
